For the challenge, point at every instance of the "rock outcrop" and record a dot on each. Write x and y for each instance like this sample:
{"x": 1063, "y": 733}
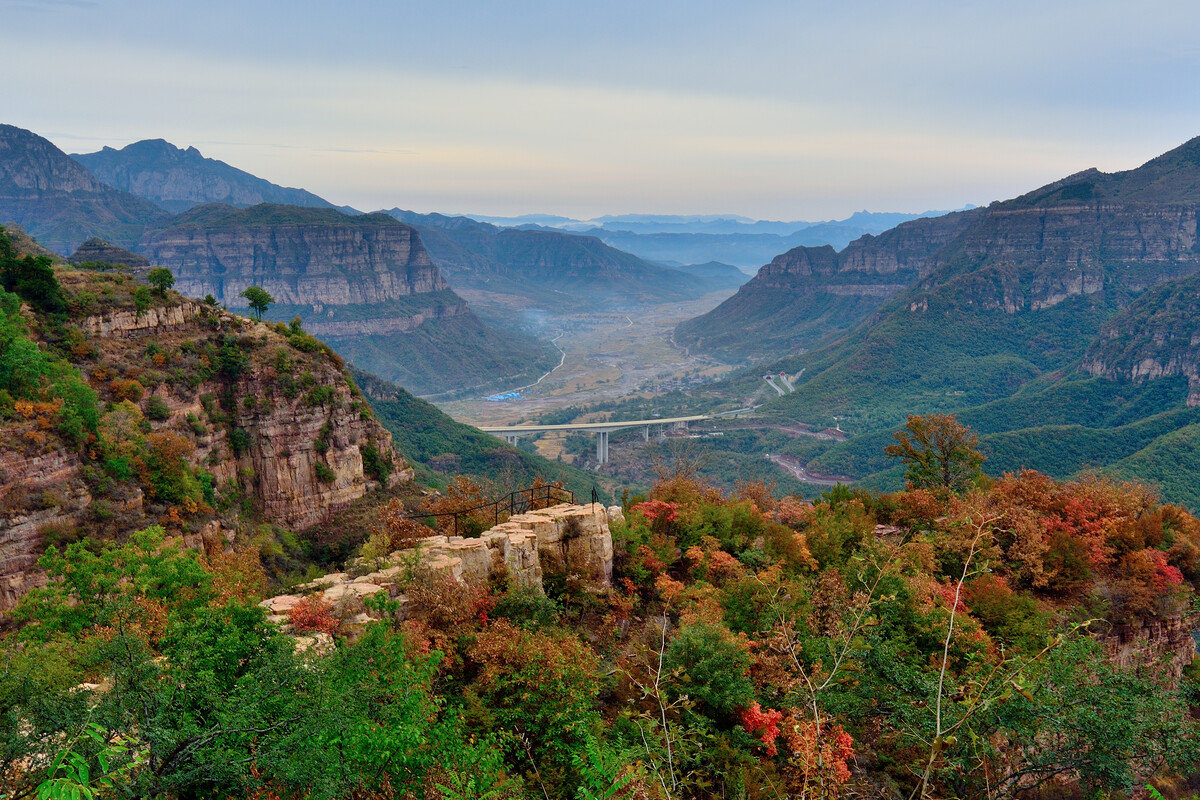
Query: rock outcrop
{"x": 562, "y": 538}
{"x": 1165, "y": 645}
{"x": 269, "y": 418}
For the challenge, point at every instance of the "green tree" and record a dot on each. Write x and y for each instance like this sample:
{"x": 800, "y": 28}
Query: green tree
{"x": 161, "y": 279}
{"x": 939, "y": 451}
{"x": 259, "y": 300}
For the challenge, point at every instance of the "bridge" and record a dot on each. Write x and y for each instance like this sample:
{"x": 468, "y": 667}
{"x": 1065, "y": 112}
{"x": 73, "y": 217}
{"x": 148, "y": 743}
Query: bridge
{"x": 602, "y": 429}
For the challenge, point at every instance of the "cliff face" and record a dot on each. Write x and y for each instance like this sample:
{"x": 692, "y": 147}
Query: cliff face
{"x": 364, "y": 282}
{"x": 268, "y": 418}
{"x": 809, "y": 293}
{"x": 58, "y": 201}
{"x": 1157, "y": 336}
{"x": 177, "y": 179}
{"x": 301, "y": 258}
{"x": 1089, "y": 234}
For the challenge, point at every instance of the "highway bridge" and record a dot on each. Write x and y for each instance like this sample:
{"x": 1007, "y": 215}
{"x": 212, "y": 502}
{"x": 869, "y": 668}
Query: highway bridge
{"x": 602, "y": 429}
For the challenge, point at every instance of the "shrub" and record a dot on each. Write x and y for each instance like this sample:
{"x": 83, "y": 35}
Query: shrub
{"x": 375, "y": 464}
{"x": 715, "y": 668}
{"x": 324, "y": 473}
{"x": 157, "y": 409}
{"x": 126, "y": 390}
{"x": 313, "y": 614}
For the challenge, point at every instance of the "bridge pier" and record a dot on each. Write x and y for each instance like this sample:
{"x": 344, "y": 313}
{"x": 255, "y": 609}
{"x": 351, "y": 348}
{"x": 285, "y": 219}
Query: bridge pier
{"x": 601, "y": 448}
{"x": 646, "y": 434}
{"x": 511, "y": 438}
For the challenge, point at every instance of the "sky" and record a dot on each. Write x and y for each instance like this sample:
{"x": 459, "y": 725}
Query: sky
{"x": 772, "y": 110}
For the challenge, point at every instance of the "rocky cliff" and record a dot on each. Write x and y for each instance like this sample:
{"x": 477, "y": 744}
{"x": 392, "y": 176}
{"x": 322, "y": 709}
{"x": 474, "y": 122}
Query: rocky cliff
{"x": 58, "y": 201}
{"x": 212, "y": 420}
{"x": 364, "y": 282}
{"x": 1112, "y": 235}
{"x": 177, "y": 179}
{"x": 562, "y": 539}
{"x": 810, "y": 293}
{"x": 1157, "y": 336}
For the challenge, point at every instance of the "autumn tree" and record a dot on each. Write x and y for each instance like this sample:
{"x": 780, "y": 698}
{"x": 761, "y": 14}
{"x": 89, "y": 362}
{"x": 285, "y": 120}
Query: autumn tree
{"x": 939, "y": 451}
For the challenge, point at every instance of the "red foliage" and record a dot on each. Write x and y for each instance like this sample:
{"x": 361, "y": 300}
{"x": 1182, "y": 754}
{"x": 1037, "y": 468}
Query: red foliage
{"x": 820, "y": 754}
{"x": 313, "y": 614}
{"x": 763, "y": 724}
{"x": 653, "y": 510}
{"x": 1165, "y": 576}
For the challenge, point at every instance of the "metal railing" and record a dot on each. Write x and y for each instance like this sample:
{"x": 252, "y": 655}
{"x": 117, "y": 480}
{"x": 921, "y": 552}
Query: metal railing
{"x": 517, "y": 502}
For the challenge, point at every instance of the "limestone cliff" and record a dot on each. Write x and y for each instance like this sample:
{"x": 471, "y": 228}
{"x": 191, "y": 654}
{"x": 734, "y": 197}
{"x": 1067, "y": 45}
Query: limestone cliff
{"x": 1157, "y": 336}
{"x": 366, "y": 283}
{"x": 266, "y": 424}
{"x": 303, "y": 257}
{"x": 1092, "y": 234}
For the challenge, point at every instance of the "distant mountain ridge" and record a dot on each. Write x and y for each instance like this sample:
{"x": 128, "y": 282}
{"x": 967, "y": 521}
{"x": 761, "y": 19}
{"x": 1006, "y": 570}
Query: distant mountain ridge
{"x": 733, "y": 239}
{"x": 59, "y": 202}
{"x": 178, "y": 179}
{"x": 545, "y": 266}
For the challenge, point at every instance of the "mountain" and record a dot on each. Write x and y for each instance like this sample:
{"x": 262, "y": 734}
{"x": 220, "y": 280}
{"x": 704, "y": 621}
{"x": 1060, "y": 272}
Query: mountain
{"x": 544, "y": 266}
{"x": 59, "y": 202}
{"x": 1060, "y": 324}
{"x": 747, "y": 243}
{"x": 715, "y": 275}
{"x": 809, "y": 293}
{"x": 177, "y": 179}
{"x": 365, "y": 283}
{"x": 173, "y": 412}
{"x": 98, "y": 251}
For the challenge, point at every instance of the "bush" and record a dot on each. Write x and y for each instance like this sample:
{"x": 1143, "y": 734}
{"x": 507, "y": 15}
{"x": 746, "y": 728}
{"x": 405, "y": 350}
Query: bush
{"x": 714, "y": 668}
{"x": 324, "y": 473}
{"x": 375, "y": 464}
{"x": 157, "y": 409}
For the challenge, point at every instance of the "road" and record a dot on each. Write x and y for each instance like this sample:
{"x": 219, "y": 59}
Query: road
{"x": 801, "y": 474}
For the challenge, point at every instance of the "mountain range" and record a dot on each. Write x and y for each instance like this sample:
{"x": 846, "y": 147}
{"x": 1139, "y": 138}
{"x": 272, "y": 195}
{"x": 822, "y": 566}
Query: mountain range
{"x": 176, "y": 179}
{"x": 1060, "y": 324}
{"x": 59, "y": 202}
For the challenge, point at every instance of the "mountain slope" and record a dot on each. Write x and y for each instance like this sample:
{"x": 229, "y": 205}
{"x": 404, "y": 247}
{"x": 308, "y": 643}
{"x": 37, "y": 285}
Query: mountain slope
{"x": 810, "y": 293}
{"x": 543, "y": 266}
{"x": 178, "y": 179}
{"x": 59, "y": 202}
{"x": 365, "y": 283}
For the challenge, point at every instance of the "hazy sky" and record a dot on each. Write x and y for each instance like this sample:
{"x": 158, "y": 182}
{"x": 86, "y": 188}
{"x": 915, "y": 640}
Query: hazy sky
{"x": 777, "y": 110}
